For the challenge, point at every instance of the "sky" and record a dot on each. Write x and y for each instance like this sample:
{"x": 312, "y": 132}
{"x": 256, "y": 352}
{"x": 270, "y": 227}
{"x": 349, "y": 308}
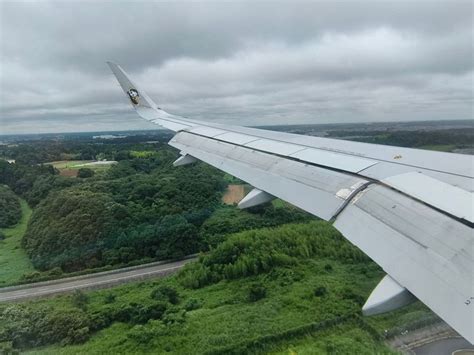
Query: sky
{"x": 243, "y": 63}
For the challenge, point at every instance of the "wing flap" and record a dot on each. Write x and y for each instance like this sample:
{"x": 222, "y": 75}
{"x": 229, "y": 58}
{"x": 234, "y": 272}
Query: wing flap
{"x": 435, "y": 193}
{"x": 424, "y": 250}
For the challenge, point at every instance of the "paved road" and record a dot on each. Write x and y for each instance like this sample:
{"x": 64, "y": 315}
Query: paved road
{"x": 91, "y": 281}
{"x": 445, "y": 347}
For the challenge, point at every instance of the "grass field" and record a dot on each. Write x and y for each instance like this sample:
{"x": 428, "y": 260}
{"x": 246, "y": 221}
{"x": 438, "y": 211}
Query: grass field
{"x": 68, "y": 164}
{"x": 440, "y": 147}
{"x": 71, "y": 167}
{"x": 13, "y": 260}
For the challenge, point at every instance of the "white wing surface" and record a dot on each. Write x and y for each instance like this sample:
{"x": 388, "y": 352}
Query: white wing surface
{"x": 411, "y": 211}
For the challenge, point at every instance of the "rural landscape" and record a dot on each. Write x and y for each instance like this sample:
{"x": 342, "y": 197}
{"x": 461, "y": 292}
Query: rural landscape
{"x": 270, "y": 279}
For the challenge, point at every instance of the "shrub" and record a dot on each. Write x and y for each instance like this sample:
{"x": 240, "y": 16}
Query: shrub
{"x": 192, "y": 304}
{"x": 328, "y": 267}
{"x": 320, "y": 291}
{"x": 28, "y": 327}
{"x": 156, "y": 310}
{"x": 137, "y": 313}
{"x": 6, "y": 347}
{"x": 55, "y": 272}
{"x": 80, "y": 299}
{"x": 140, "y": 334}
{"x": 174, "y": 315}
{"x": 349, "y": 294}
{"x": 85, "y": 173}
{"x": 256, "y": 292}
{"x": 109, "y": 298}
{"x": 165, "y": 293}
{"x": 31, "y": 276}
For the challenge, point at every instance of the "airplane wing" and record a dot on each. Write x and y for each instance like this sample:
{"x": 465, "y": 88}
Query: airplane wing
{"x": 411, "y": 211}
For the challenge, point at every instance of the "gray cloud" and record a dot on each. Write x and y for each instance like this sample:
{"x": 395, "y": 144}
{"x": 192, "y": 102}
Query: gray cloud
{"x": 239, "y": 63}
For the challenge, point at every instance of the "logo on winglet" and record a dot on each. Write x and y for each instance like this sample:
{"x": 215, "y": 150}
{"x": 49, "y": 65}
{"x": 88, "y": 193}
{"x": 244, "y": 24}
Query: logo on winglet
{"x": 134, "y": 96}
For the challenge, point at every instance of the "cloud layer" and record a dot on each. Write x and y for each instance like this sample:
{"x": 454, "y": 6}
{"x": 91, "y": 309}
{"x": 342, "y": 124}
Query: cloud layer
{"x": 238, "y": 63}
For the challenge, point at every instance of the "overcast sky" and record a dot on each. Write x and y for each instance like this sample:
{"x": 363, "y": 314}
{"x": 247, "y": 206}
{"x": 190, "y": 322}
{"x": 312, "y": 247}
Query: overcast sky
{"x": 239, "y": 63}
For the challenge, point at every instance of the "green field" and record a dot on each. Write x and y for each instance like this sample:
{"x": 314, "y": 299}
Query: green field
{"x": 13, "y": 260}
{"x": 68, "y": 164}
{"x": 440, "y": 147}
{"x": 77, "y": 164}
{"x": 143, "y": 154}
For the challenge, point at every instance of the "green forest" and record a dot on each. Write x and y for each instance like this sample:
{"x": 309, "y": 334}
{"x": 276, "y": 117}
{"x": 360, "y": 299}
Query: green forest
{"x": 138, "y": 210}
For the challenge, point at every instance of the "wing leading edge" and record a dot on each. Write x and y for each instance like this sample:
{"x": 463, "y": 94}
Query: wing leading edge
{"x": 409, "y": 210}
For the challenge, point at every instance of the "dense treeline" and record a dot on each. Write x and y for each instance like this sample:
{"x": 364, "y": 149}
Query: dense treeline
{"x": 10, "y": 210}
{"x": 461, "y": 138}
{"x": 136, "y": 210}
{"x": 21, "y": 178}
{"x": 79, "y": 147}
{"x": 253, "y": 252}
{"x": 129, "y": 216}
{"x": 228, "y": 220}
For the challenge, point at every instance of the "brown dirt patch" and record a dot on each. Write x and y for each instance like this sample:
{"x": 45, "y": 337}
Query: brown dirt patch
{"x": 68, "y": 172}
{"x": 233, "y": 194}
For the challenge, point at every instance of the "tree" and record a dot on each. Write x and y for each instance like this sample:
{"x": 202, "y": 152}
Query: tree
{"x": 67, "y": 229}
{"x": 10, "y": 210}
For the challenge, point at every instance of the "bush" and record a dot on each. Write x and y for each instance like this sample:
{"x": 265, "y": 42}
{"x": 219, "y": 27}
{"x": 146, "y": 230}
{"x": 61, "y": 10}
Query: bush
{"x": 28, "y": 327}
{"x": 80, "y": 299}
{"x": 320, "y": 291}
{"x": 140, "y": 334}
{"x": 85, "y": 173}
{"x": 192, "y": 304}
{"x": 349, "y": 294}
{"x": 137, "y": 313}
{"x": 109, "y": 298}
{"x": 166, "y": 294}
{"x": 174, "y": 315}
{"x": 256, "y": 292}
{"x": 6, "y": 347}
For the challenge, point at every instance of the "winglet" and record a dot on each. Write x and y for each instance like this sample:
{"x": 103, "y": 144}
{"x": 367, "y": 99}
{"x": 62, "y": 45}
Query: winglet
{"x": 137, "y": 97}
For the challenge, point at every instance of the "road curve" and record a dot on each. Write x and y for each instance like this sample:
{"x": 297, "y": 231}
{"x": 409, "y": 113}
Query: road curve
{"x": 91, "y": 281}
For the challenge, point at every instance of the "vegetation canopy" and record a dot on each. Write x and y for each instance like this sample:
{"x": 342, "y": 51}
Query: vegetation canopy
{"x": 10, "y": 210}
